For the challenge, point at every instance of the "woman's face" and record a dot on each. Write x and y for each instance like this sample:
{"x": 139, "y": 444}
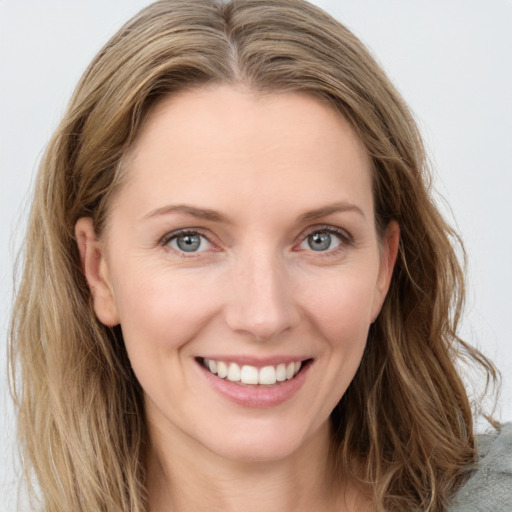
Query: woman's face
{"x": 243, "y": 242}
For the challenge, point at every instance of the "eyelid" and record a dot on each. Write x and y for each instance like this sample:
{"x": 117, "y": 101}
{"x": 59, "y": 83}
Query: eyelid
{"x": 329, "y": 228}
{"x": 345, "y": 237}
{"x": 164, "y": 241}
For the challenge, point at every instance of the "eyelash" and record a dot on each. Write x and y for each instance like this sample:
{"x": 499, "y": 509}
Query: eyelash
{"x": 344, "y": 237}
{"x": 169, "y": 237}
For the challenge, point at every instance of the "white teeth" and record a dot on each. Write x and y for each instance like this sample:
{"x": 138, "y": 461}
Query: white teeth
{"x": 212, "y": 365}
{"x": 234, "y": 372}
{"x": 222, "y": 369}
{"x": 267, "y": 375}
{"x": 281, "y": 372}
{"x": 247, "y": 374}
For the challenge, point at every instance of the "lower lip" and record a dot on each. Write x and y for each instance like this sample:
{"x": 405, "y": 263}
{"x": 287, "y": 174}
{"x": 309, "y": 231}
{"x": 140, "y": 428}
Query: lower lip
{"x": 257, "y": 396}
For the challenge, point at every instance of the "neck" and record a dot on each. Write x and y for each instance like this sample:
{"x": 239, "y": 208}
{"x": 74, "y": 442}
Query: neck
{"x": 189, "y": 478}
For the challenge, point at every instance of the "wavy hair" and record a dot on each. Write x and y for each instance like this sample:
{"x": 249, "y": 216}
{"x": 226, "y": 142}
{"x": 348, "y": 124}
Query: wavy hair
{"x": 406, "y": 416}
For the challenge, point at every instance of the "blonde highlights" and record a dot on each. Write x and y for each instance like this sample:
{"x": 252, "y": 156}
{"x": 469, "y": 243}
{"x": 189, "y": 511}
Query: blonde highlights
{"x": 405, "y": 417}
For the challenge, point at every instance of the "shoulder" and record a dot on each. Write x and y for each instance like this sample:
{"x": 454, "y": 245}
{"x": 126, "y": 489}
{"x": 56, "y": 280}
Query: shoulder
{"x": 489, "y": 487}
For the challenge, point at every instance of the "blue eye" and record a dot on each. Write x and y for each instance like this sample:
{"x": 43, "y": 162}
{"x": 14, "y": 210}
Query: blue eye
{"x": 323, "y": 240}
{"x": 189, "y": 241}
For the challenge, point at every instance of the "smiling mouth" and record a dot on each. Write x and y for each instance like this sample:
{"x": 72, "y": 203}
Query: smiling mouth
{"x": 251, "y": 375}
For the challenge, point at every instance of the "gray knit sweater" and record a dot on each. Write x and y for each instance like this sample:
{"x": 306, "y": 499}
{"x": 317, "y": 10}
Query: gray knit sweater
{"x": 490, "y": 486}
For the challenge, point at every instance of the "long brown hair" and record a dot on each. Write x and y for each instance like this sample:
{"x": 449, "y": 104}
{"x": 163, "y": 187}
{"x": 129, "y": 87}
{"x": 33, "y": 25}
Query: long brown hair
{"x": 82, "y": 431}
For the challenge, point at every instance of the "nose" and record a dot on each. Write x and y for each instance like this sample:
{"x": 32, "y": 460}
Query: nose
{"x": 261, "y": 301}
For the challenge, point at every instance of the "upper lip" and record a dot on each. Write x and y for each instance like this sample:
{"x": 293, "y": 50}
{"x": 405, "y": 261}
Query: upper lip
{"x": 258, "y": 362}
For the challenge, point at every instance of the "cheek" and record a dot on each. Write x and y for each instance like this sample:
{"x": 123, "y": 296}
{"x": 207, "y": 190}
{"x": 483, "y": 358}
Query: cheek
{"x": 161, "y": 311}
{"x": 341, "y": 307}
{"x": 340, "y": 316}
{"x": 160, "y": 314}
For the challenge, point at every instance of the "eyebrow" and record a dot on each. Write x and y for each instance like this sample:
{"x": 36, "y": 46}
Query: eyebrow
{"x": 200, "y": 213}
{"x": 215, "y": 216}
{"x": 324, "y": 211}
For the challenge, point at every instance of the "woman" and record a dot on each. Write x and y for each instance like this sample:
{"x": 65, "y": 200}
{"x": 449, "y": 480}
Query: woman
{"x": 237, "y": 291}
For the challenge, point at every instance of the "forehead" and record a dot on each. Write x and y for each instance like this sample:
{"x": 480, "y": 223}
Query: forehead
{"x": 243, "y": 115}
{"x": 218, "y": 143}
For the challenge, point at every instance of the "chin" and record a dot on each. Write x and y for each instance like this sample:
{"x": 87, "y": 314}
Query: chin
{"x": 262, "y": 443}
{"x": 256, "y": 451}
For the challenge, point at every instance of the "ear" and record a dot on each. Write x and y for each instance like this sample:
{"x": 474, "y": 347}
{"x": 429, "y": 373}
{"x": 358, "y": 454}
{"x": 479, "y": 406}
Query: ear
{"x": 95, "y": 269}
{"x": 388, "y": 255}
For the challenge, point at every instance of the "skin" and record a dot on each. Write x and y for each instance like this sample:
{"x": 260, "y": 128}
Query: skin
{"x": 271, "y": 170}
